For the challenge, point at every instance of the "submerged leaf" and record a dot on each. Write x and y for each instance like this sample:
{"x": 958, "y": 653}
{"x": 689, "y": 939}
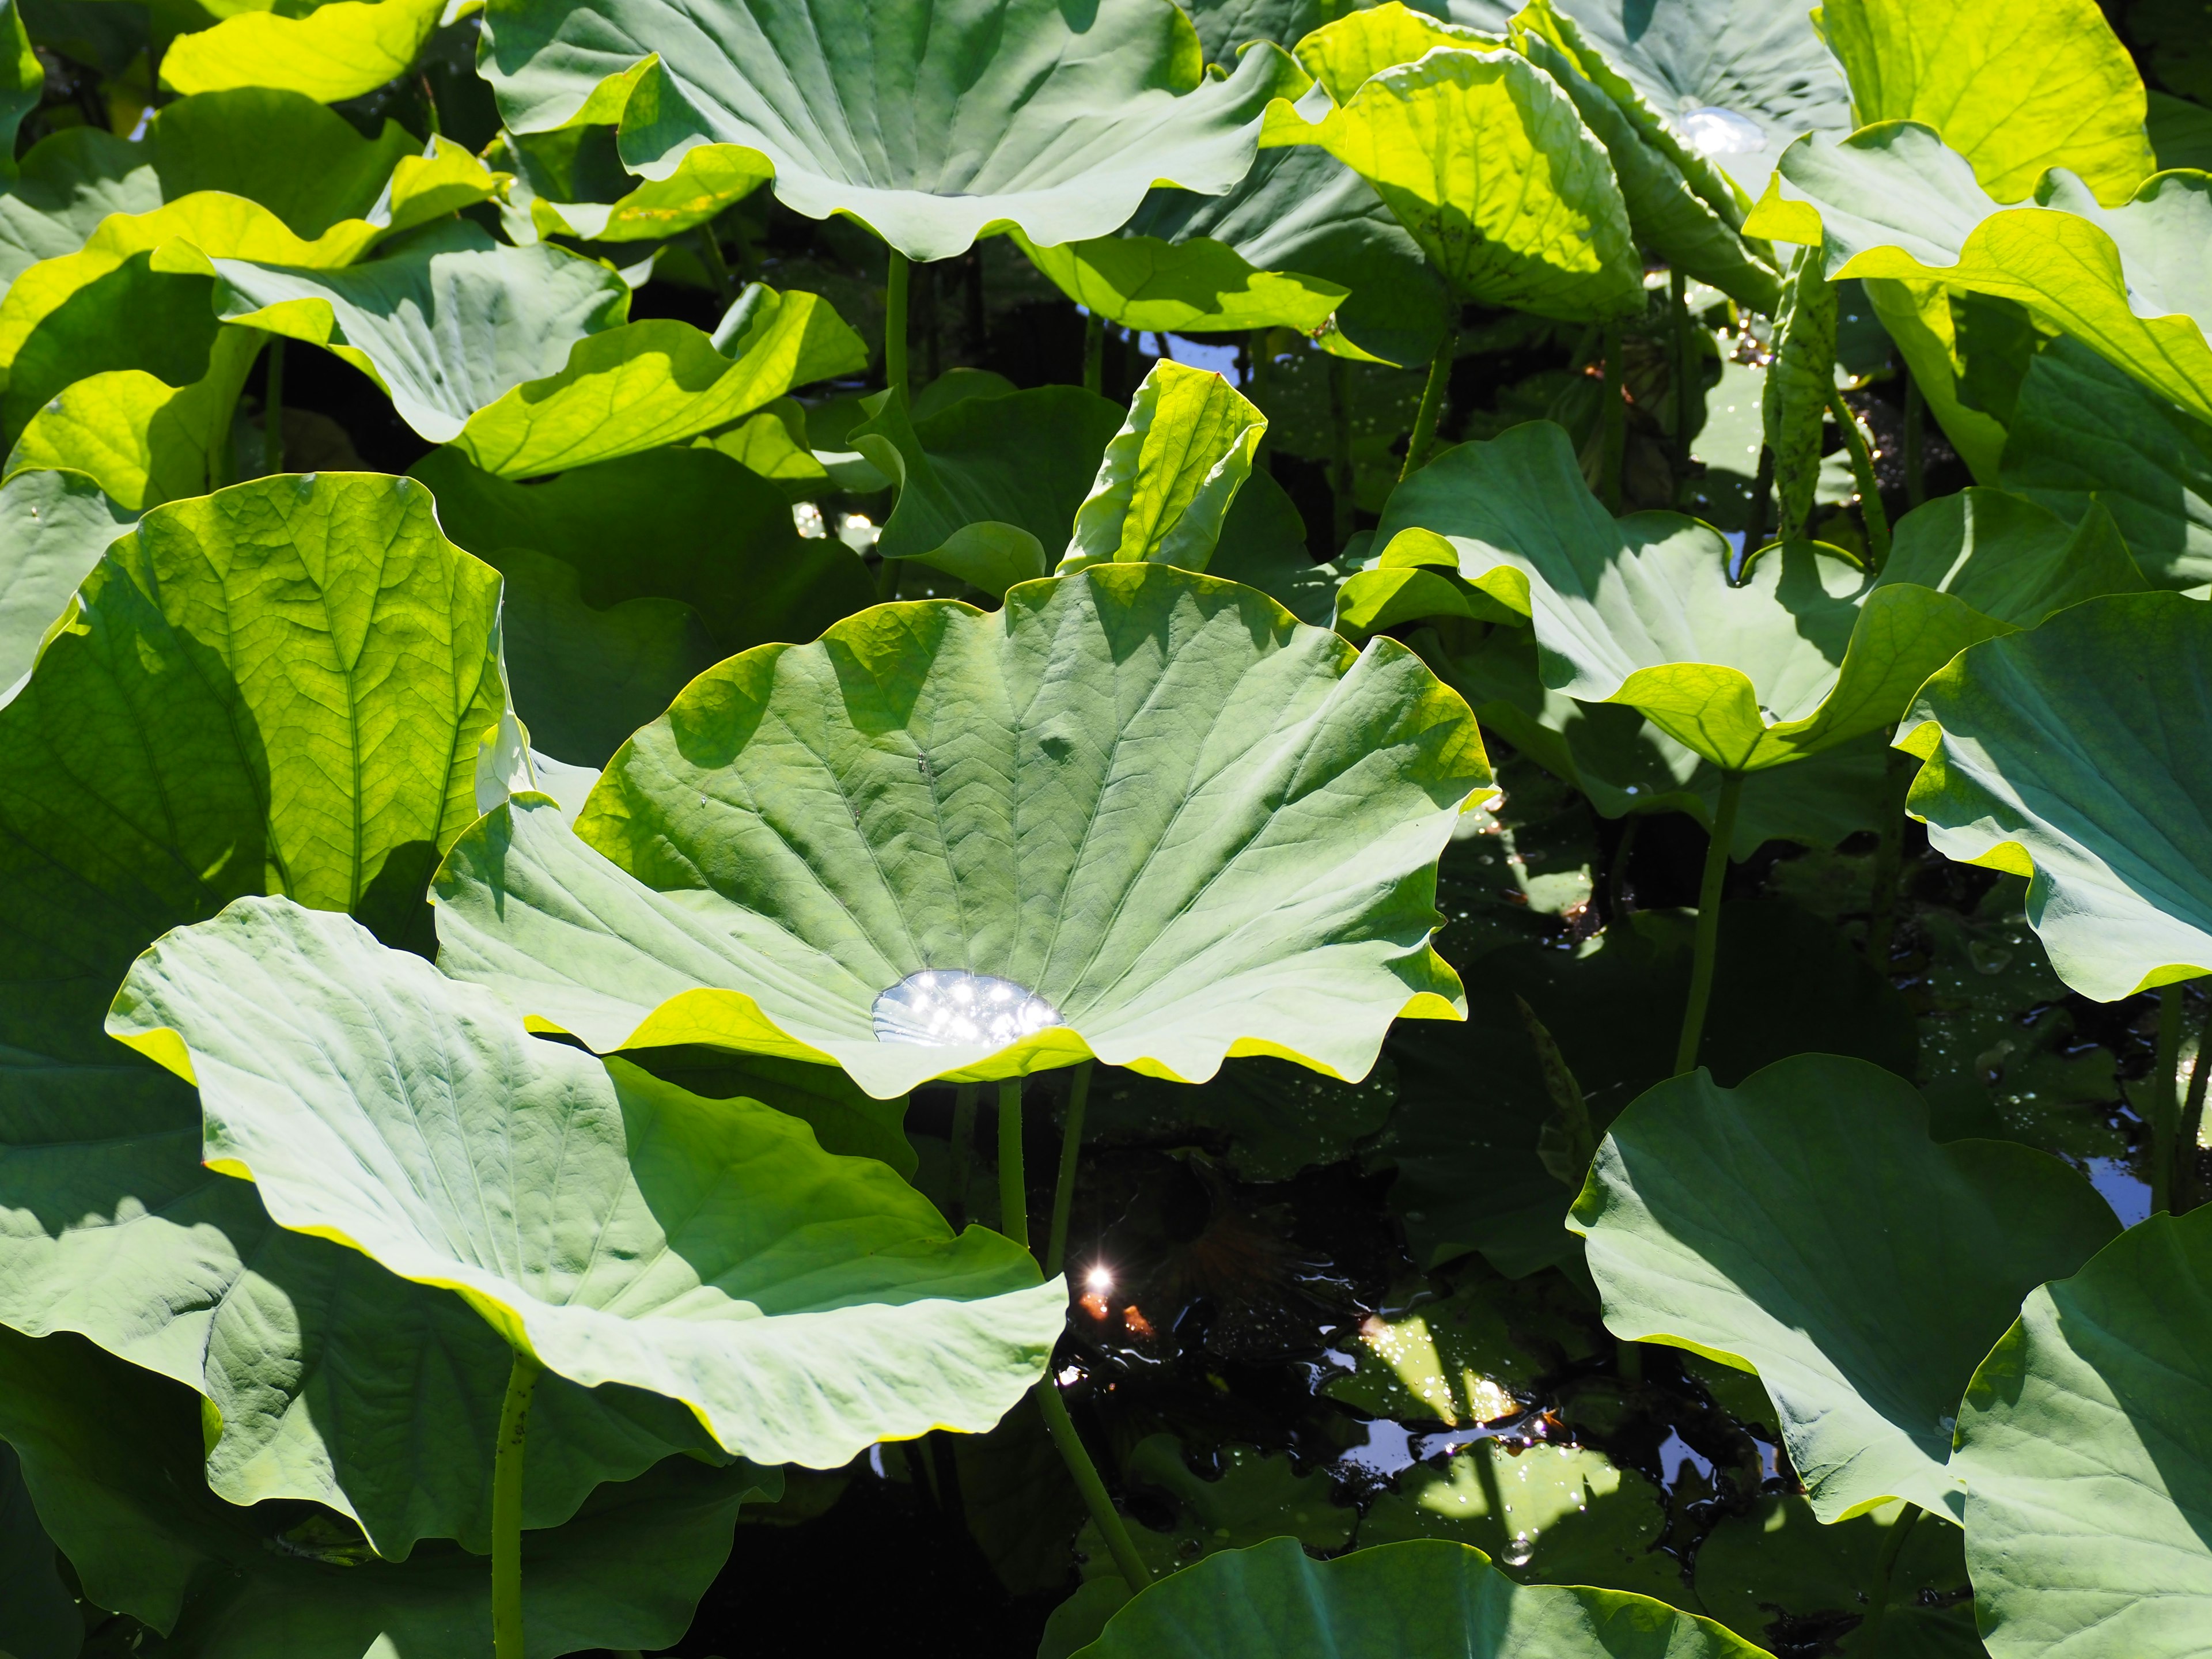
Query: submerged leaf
{"x": 1804, "y": 1226}
{"x": 1279, "y": 802}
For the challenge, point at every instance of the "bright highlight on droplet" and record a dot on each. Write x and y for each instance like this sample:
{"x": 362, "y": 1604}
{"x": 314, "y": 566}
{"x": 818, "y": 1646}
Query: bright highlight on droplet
{"x": 945, "y": 1005}
{"x": 1717, "y": 132}
{"x": 1099, "y": 1280}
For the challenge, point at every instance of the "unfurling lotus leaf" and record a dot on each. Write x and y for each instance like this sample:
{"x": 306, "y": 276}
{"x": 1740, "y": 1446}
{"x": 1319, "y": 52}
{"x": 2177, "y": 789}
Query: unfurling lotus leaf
{"x": 1137, "y": 814}
{"x": 1168, "y": 477}
{"x": 110, "y": 1453}
{"x": 1804, "y": 1226}
{"x": 931, "y": 124}
{"x": 2079, "y": 756}
{"x": 1425, "y": 1595}
{"x": 331, "y": 54}
{"x": 1892, "y": 201}
{"x": 1482, "y": 157}
{"x": 615, "y": 1227}
{"x": 2083, "y": 1443}
{"x": 284, "y": 686}
{"x": 1806, "y": 653}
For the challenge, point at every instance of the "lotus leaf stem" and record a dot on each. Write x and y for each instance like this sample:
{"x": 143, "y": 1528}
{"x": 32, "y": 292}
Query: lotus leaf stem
{"x": 1613, "y": 424}
{"x": 2186, "y": 1195}
{"x": 1013, "y": 1188}
{"x": 1889, "y": 860}
{"x": 1678, "y": 294}
{"x": 1094, "y": 353}
{"x": 1885, "y": 1567}
{"x": 429, "y": 103}
{"x": 963, "y": 1144}
{"x": 272, "y": 409}
{"x": 1339, "y": 454}
{"x": 1709, "y": 921}
{"x": 1432, "y": 405}
{"x": 1071, "y": 1150}
{"x": 718, "y": 270}
{"x": 1869, "y": 488}
{"x": 507, "y": 1508}
{"x": 896, "y": 285}
{"x": 1762, "y": 491}
{"x": 2166, "y": 1101}
{"x": 1915, "y": 427}
{"x": 1077, "y": 1456}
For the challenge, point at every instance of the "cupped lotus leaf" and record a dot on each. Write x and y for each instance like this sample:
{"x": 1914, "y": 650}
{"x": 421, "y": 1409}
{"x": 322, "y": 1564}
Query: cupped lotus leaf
{"x": 1803, "y": 1225}
{"x": 2085, "y": 434}
{"x": 2080, "y": 755}
{"x": 1425, "y": 1595}
{"x": 2084, "y": 1447}
{"x": 446, "y": 323}
{"x": 1277, "y": 802}
{"x": 659, "y": 382}
{"x": 1891, "y": 201}
{"x": 2015, "y": 92}
{"x": 989, "y": 484}
{"x": 688, "y": 525}
{"x": 307, "y": 164}
{"x": 331, "y": 54}
{"x": 54, "y": 526}
{"x": 109, "y": 1455}
{"x": 1195, "y": 286}
{"x": 1348, "y": 51}
{"x": 615, "y": 1227}
{"x": 1170, "y": 475}
{"x": 1485, "y": 162}
{"x": 930, "y": 124}
{"x": 1676, "y": 202}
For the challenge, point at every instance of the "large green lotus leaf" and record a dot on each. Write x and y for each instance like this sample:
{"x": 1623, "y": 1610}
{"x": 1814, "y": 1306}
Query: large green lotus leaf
{"x": 1485, "y": 162}
{"x": 706, "y": 181}
{"x": 2085, "y": 1449}
{"x": 1727, "y": 83}
{"x": 63, "y": 188}
{"x": 932, "y": 124}
{"x": 1425, "y": 1595}
{"x": 913, "y": 793}
{"x": 331, "y": 54}
{"x": 989, "y": 484}
{"x": 2080, "y": 755}
{"x": 38, "y": 1617}
{"x": 2084, "y": 434}
{"x": 689, "y": 524}
{"x": 1891, "y": 201}
{"x": 1804, "y": 1226}
{"x": 1168, "y": 478}
{"x": 2016, "y": 93}
{"x": 1362, "y": 41}
{"x": 446, "y": 323}
{"x": 1195, "y": 286}
{"x": 109, "y": 1453}
{"x": 617, "y": 1228}
{"x": 53, "y": 528}
{"x": 1692, "y": 218}
{"x": 2008, "y": 556}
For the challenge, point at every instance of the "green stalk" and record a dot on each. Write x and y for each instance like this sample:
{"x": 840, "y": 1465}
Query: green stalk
{"x": 1077, "y": 1456}
{"x": 895, "y": 293}
{"x": 1094, "y": 353}
{"x": 272, "y": 409}
{"x": 1432, "y": 406}
{"x": 1889, "y": 860}
{"x": 1885, "y": 1564}
{"x": 1916, "y": 425}
{"x": 2186, "y": 1196}
{"x": 1678, "y": 287}
{"x": 1709, "y": 922}
{"x": 1013, "y": 1189}
{"x": 1877, "y": 516}
{"x": 964, "y": 1144}
{"x": 1071, "y": 1150}
{"x": 1762, "y": 494}
{"x": 429, "y": 104}
{"x": 718, "y": 270}
{"x": 507, "y": 1509}
{"x": 1339, "y": 453}
{"x": 2166, "y": 1100}
{"x": 1613, "y": 424}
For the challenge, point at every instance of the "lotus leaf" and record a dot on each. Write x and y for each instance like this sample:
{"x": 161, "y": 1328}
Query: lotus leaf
{"x": 1252, "y": 1497}
{"x": 706, "y": 181}
{"x": 933, "y": 125}
{"x": 691, "y": 525}
{"x": 2083, "y": 433}
{"x": 1802, "y": 1225}
{"x": 53, "y": 528}
{"x": 333, "y": 53}
{"x": 2016, "y": 94}
{"x": 142, "y": 440}
{"x": 61, "y": 190}
{"x": 1169, "y": 476}
{"x": 2082, "y": 1441}
{"x": 2020, "y": 738}
{"x": 109, "y": 1455}
{"x": 1348, "y": 51}
{"x": 1195, "y": 285}
{"x": 1195, "y": 932}
{"x": 1421, "y": 1596}
{"x": 802, "y": 1305}
{"x": 1891, "y": 201}
{"x": 1483, "y": 159}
